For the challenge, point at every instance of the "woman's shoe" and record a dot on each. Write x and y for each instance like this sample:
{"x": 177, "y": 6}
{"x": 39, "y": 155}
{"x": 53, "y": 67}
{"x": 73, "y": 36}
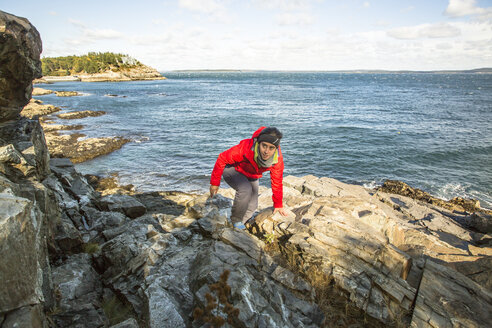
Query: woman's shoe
{"x": 239, "y": 225}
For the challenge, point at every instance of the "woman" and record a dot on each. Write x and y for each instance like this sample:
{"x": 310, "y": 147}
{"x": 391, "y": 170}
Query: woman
{"x": 242, "y": 166}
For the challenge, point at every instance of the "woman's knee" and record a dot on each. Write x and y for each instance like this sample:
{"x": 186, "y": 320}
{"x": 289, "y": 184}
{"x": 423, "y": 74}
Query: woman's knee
{"x": 245, "y": 190}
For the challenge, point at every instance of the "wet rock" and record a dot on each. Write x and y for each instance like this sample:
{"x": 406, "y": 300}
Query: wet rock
{"x": 108, "y": 185}
{"x": 21, "y": 47}
{"x": 456, "y": 204}
{"x": 81, "y": 114}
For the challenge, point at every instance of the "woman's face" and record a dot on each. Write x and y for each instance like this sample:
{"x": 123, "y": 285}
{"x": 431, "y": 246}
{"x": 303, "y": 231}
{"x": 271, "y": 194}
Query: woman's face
{"x": 267, "y": 150}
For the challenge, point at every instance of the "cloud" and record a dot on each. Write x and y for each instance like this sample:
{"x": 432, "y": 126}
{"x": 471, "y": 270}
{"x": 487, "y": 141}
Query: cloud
{"x": 460, "y": 8}
{"x": 444, "y": 46}
{"x": 381, "y": 23}
{"x": 212, "y": 8}
{"x": 439, "y": 30}
{"x": 91, "y": 35}
{"x": 285, "y": 5}
{"x": 294, "y": 19}
{"x": 102, "y": 34}
{"x": 407, "y": 9}
{"x": 53, "y": 13}
{"x": 366, "y": 4}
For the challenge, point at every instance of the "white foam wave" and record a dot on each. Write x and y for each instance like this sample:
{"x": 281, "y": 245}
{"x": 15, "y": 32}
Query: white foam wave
{"x": 371, "y": 184}
{"x": 140, "y": 139}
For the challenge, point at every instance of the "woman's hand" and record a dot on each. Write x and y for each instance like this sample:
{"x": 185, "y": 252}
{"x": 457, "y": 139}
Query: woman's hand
{"x": 213, "y": 190}
{"x": 281, "y": 211}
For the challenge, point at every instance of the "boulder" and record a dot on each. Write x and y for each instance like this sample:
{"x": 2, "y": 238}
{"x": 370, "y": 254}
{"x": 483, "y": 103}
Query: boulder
{"x": 481, "y": 222}
{"x": 125, "y": 204}
{"x": 20, "y": 45}
{"x": 20, "y": 223}
{"x": 27, "y": 138}
{"x": 68, "y": 237}
{"x": 79, "y": 290}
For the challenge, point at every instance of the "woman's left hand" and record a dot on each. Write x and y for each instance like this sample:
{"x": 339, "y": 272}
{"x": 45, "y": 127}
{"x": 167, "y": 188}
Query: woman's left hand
{"x": 280, "y": 210}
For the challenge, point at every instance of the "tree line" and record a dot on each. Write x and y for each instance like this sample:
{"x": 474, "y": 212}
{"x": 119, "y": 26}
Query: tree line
{"x": 93, "y": 62}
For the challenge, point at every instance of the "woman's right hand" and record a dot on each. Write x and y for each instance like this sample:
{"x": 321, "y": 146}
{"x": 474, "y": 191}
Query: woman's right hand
{"x": 213, "y": 190}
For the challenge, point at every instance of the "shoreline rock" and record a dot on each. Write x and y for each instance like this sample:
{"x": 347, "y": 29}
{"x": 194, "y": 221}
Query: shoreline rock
{"x": 67, "y": 93}
{"x": 54, "y": 128}
{"x": 80, "y": 114}
{"x": 36, "y": 107}
{"x": 79, "y": 151}
{"x": 455, "y": 204}
{"x": 41, "y": 92}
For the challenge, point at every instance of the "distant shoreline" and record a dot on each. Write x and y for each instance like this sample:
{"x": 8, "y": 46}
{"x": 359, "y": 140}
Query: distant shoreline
{"x": 485, "y": 70}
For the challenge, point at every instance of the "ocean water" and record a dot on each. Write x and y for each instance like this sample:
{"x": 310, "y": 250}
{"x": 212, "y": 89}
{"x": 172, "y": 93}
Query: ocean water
{"x": 433, "y": 131}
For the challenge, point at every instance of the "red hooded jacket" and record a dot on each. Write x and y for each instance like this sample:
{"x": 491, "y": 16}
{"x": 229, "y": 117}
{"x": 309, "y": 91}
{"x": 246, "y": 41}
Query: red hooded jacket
{"x": 241, "y": 157}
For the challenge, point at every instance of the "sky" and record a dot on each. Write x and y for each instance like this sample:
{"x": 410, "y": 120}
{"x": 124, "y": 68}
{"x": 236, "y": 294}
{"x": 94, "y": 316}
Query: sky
{"x": 301, "y": 35}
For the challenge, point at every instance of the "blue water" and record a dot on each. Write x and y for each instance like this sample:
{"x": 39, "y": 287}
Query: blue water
{"x": 433, "y": 131}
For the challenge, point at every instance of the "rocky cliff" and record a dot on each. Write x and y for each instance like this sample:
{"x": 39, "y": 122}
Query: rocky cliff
{"x": 345, "y": 256}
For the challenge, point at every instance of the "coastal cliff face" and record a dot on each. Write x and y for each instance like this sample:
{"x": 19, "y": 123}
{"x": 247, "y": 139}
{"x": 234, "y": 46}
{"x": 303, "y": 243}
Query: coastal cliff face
{"x": 20, "y": 47}
{"x": 28, "y": 210}
{"x": 73, "y": 256}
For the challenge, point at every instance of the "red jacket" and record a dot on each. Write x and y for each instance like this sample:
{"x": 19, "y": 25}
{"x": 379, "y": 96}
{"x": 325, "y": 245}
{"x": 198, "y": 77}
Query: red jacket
{"x": 242, "y": 158}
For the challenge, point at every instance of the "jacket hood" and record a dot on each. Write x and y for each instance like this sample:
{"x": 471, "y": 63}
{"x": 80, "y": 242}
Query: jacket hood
{"x": 257, "y": 132}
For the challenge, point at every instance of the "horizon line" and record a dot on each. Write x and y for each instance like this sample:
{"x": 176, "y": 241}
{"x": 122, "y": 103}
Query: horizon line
{"x": 472, "y": 70}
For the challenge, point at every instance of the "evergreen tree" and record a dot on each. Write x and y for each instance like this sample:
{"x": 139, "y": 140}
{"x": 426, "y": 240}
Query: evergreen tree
{"x": 91, "y": 63}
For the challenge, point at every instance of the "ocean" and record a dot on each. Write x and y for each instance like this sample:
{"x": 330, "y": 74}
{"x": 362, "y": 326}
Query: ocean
{"x": 432, "y": 131}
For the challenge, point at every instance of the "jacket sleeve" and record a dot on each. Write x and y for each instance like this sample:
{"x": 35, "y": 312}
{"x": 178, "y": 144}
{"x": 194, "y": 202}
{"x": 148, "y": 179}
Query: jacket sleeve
{"x": 230, "y": 156}
{"x": 276, "y": 176}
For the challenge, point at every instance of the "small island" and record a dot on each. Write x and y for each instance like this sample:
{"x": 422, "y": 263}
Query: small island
{"x": 96, "y": 67}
